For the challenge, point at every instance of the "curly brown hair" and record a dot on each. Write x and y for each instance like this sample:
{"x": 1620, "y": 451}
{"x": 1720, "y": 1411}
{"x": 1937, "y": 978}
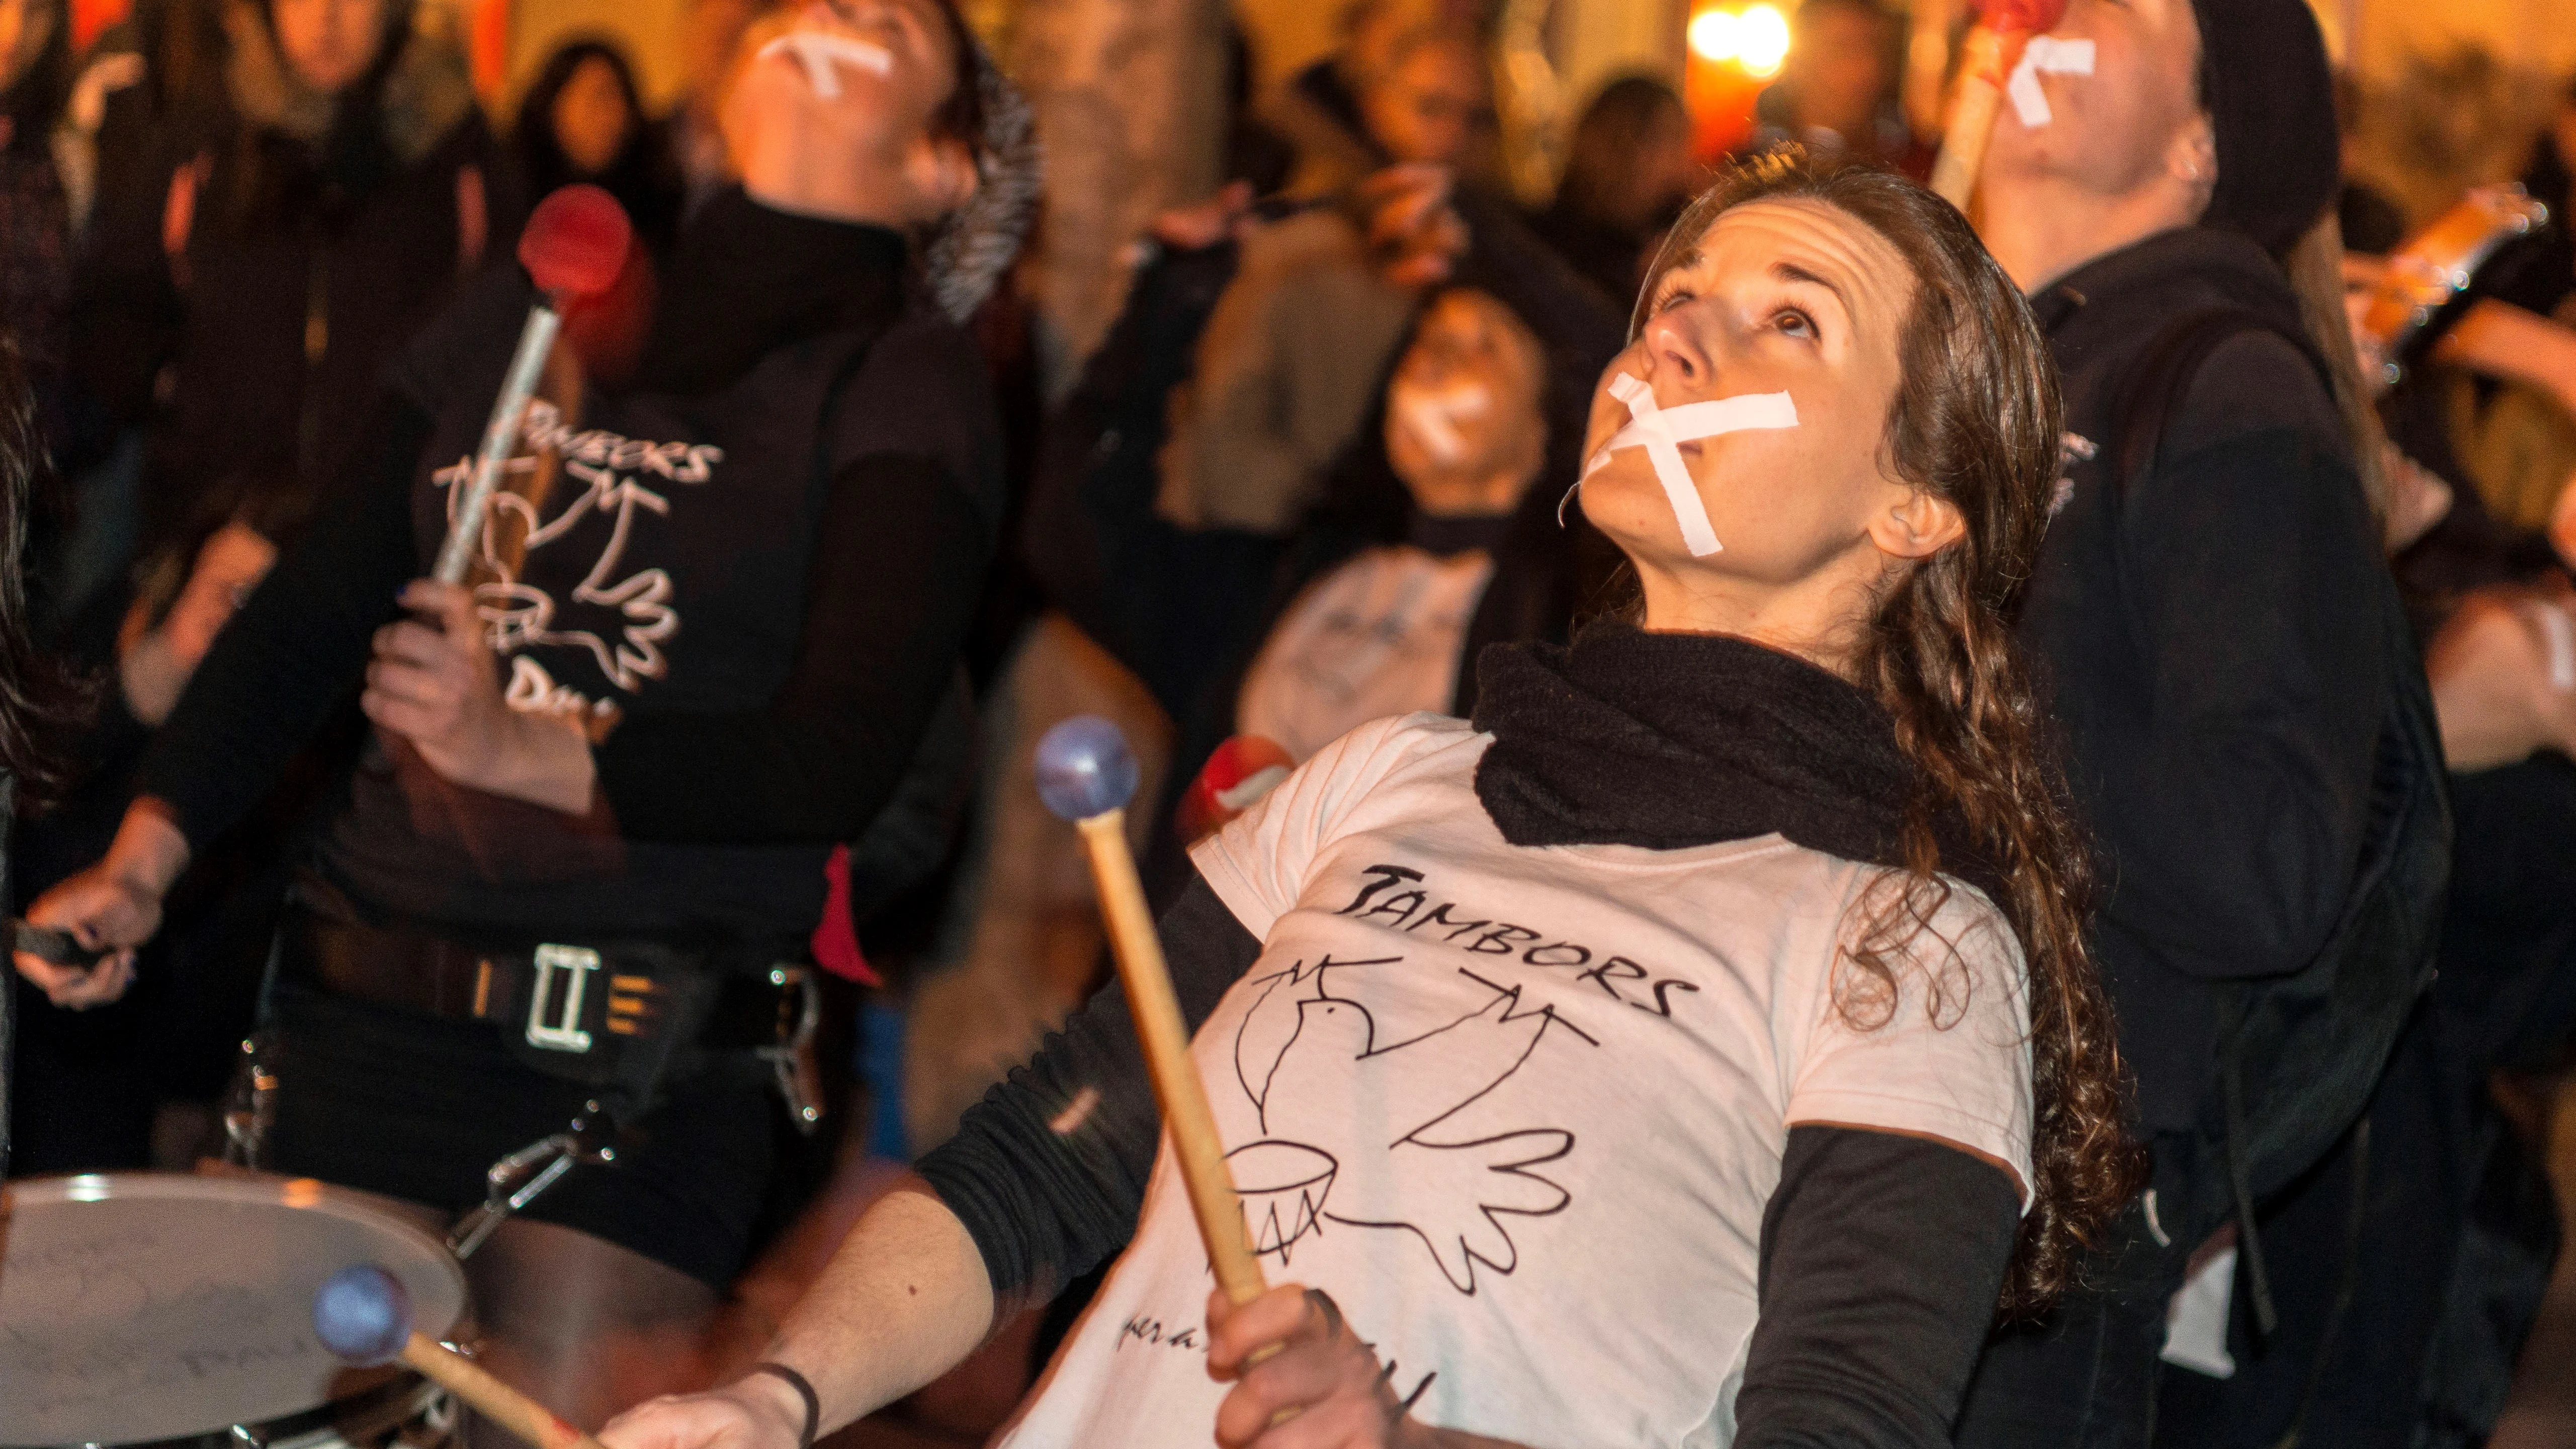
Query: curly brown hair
{"x": 1976, "y": 421}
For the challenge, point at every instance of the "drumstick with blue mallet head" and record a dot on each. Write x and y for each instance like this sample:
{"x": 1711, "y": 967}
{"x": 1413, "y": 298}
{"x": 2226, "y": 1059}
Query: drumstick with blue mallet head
{"x": 363, "y": 1316}
{"x": 1087, "y": 775}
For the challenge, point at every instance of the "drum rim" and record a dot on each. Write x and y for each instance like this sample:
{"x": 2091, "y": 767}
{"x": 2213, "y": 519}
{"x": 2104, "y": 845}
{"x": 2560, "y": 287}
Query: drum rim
{"x": 403, "y": 1387}
{"x": 253, "y": 1189}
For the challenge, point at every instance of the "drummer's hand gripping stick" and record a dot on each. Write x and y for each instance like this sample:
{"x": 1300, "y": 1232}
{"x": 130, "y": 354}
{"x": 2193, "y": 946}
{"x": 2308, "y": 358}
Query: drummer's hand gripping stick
{"x": 1992, "y": 52}
{"x": 1086, "y": 775}
{"x": 363, "y": 1316}
{"x": 573, "y": 246}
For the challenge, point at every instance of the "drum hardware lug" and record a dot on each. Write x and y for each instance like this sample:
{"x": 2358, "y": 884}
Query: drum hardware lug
{"x": 250, "y": 1106}
{"x": 242, "y": 1434}
{"x": 520, "y": 1178}
{"x": 792, "y": 1060}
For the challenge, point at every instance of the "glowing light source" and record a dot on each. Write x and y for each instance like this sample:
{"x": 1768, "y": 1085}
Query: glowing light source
{"x": 1761, "y": 41}
{"x": 1714, "y": 35}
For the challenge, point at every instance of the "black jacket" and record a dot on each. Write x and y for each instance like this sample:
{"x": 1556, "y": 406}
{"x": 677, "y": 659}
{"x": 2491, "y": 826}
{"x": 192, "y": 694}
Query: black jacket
{"x": 2208, "y": 640}
{"x": 252, "y": 349}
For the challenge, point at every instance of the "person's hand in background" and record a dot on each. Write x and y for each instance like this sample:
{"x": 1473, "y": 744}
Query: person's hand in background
{"x": 155, "y": 661}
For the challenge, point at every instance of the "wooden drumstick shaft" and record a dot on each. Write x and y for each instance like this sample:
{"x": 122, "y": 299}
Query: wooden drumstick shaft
{"x": 493, "y": 1399}
{"x": 1990, "y": 55}
{"x": 1166, "y": 1041}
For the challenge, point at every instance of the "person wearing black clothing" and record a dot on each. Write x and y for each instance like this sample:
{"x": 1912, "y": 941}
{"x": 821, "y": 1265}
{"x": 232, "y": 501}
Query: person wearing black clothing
{"x": 240, "y": 293}
{"x": 98, "y": 1079}
{"x": 1628, "y": 173}
{"x": 35, "y": 696}
{"x": 708, "y": 628}
{"x": 1428, "y": 544}
{"x": 1553, "y": 1204}
{"x": 2210, "y": 626}
{"x": 583, "y": 120}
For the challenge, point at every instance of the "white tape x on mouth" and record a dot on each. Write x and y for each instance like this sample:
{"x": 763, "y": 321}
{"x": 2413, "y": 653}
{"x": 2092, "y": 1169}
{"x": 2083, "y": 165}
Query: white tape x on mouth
{"x": 1662, "y": 431}
{"x": 1433, "y": 417}
{"x": 817, "y": 49}
{"x": 2050, "y": 54}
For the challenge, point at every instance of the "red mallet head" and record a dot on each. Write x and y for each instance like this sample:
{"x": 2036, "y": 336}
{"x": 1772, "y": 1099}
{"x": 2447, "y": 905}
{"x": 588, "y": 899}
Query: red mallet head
{"x": 575, "y": 242}
{"x": 1236, "y": 776}
{"x": 2027, "y": 17}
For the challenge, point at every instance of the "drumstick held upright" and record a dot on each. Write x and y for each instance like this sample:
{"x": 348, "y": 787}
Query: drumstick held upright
{"x": 1993, "y": 47}
{"x": 363, "y": 1316}
{"x": 573, "y": 246}
{"x": 1086, "y": 775}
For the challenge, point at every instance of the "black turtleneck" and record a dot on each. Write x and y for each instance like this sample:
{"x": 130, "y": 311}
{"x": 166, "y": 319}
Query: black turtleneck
{"x": 1881, "y": 1255}
{"x": 904, "y": 530}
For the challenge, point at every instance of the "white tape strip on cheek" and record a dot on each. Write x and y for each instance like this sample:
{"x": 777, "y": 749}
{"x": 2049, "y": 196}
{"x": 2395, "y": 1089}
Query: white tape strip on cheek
{"x": 817, "y": 50}
{"x": 1662, "y": 431}
{"x": 2050, "y": 54}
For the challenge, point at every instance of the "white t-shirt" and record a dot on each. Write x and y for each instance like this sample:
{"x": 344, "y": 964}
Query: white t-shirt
{"x": 1378, "y": 636}
{"x": 1519, "y": 1109}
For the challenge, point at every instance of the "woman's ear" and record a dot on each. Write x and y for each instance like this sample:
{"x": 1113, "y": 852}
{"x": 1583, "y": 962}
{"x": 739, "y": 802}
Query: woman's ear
{"x": 1919, "y": 527}
{"x": 943, "y": 176}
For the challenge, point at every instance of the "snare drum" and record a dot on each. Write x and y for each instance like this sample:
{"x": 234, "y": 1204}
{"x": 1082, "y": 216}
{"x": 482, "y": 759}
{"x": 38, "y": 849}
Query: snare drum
{"x": 152, "y": 1309}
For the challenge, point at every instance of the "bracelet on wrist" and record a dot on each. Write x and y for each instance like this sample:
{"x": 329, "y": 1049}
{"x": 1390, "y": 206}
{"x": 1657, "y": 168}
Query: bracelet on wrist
{"x": 804, "y": 1388}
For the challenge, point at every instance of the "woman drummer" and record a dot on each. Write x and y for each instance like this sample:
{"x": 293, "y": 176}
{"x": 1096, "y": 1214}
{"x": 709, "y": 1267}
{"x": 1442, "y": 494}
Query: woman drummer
{"x": 711, "y": 620}
{"x": 1699, "y": 1047}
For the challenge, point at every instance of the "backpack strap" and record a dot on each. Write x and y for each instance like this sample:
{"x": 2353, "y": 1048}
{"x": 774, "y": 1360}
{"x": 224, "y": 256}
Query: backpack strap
{"x": 2152, "y": 390}
{"x": 2153, "y": 387}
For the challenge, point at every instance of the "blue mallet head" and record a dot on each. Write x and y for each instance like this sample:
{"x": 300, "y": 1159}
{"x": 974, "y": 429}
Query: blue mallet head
{"x": 363, "y": 1315}
{"x": 1084, "y": 768}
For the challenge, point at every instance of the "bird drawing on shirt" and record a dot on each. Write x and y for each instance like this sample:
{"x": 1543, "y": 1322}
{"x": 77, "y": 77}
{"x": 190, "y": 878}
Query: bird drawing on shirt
{"x": 1340, "y": 1097}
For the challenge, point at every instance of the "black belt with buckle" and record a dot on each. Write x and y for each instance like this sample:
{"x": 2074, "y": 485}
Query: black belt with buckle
{"x": 626, "y": 1014}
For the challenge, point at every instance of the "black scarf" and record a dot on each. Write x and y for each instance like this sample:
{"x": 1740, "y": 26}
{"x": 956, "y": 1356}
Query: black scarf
{"x": 1674, "y": 740}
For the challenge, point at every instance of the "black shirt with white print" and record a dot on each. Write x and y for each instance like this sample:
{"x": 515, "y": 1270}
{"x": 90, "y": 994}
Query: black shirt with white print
{"x": 752, "y": 569}
{"x": 1525, "y": 1043}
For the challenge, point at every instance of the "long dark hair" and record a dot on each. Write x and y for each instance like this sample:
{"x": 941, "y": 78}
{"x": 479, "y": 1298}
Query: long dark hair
{"x": 1976, "y": 421}
{"x": 38, "y": 698}
{"x": 642, "y": 175}
{"x": 1613, "y": 129}
{"x": 35, "y": 100}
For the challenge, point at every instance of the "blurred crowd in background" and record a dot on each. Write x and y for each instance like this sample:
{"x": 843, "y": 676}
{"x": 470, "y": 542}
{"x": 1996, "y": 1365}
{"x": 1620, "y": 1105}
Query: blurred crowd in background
{"x": 1291, "y": 375}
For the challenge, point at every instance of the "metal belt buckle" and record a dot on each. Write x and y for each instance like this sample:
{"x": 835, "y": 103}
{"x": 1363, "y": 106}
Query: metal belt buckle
{"x": 563, "y": 1033}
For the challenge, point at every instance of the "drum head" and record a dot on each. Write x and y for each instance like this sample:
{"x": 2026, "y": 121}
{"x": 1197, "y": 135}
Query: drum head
{"x": 142, "y": 1307}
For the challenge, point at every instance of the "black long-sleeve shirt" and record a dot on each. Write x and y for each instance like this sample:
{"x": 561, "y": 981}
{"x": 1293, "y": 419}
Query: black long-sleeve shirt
{"x": 773, "y": 632}
{"x": 2208, "y": 637}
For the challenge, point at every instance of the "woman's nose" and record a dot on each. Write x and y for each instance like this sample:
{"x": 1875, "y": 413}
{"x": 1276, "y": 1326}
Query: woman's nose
{"x": 1673, "y": 346}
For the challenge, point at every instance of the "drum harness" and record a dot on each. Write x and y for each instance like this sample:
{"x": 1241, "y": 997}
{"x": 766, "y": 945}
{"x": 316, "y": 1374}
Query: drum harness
{"x": 627, "y": 1019}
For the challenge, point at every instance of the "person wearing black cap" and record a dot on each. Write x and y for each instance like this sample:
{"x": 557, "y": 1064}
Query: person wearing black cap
{"x": 2219, "y": 642}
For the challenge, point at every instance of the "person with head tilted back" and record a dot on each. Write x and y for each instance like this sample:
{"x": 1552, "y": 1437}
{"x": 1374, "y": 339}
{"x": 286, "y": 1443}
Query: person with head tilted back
{"x": 564, "y": 895}
{"x": 1286, "y": 369}
{"x": 1699, "y": 1047}
{"x": 1428, "y": 544}
{"x": 2213, "y": 627}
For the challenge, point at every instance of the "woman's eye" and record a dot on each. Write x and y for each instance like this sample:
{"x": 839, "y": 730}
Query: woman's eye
{"x": 1678, "y": 296}
{"x": 1794, "y": 323}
